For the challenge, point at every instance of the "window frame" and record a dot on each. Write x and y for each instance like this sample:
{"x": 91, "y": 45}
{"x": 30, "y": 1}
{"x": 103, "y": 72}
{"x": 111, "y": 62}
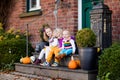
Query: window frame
{"x": 29, "y": 6}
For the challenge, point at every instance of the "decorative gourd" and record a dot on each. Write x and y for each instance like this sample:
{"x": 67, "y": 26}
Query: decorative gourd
{"x": 72, "y": 63}
{"x": 32, "y": 58}
{"x": 21, "y": 59}
{"x": 25, "y": 60}
{"x": 78, "y": 62}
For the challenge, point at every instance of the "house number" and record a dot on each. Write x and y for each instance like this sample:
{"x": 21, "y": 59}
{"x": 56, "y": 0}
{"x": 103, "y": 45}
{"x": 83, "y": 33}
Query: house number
{"x": 105, "y": 26}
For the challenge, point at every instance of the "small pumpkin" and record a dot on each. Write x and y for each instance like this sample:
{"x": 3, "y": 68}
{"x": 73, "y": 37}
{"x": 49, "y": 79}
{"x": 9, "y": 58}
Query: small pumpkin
{"x": 72, "y": 63}
{"x": 25, "y": 60}
{"x": 78, "y": 62}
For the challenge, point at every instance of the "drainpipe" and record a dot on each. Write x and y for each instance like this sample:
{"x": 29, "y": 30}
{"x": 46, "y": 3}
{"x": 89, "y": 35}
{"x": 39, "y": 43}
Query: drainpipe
{"x": 55, "y": 12}
{"x": 79, "y": 14}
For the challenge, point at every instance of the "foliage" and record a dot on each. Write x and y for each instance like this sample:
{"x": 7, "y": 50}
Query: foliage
{"x": 110, "y": 62}
{"x": 85, "y": 38}
{"x": 8, "y": 66}
{"x": 10, "y": 34}
{"x": 12, "y": 47}
{"x": 1, "y": 29}
{"x": 13, "y": 50}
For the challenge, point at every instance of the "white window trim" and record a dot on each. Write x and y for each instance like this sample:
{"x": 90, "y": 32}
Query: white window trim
{"x": 79, "y": 14}
{"x": 35, "y": 8}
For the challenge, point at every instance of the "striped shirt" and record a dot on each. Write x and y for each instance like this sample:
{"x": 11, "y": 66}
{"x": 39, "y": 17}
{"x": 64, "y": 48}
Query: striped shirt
{"x": 68, "y": 44}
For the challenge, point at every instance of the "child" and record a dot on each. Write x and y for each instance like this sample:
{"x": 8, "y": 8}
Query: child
{"x": 43, "y": 39}
{"x": 52, "y": 43}
{"x": 68, "y": 46}
{"x": 54, "y": 51}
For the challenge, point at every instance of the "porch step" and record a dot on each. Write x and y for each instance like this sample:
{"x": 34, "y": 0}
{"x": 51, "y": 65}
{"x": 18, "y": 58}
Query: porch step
{"x": 56, "y": 72}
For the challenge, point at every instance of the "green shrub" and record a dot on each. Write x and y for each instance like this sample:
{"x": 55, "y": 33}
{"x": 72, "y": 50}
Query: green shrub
{"x": 12, "y": 50}
{"x": 85, "y": 38}
{"x": 7, "y": 61}
{"x": 110, "y": 63}
{"x": 12, "y": 47}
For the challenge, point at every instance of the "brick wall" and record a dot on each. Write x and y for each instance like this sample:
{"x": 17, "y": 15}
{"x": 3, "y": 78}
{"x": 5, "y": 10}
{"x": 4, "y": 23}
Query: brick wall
{"x": 67, "y": 17}
{"x": 114, "y": 5}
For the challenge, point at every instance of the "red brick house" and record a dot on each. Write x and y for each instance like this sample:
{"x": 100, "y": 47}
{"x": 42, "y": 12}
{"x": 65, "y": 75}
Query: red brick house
{"x": 35, "y": 13}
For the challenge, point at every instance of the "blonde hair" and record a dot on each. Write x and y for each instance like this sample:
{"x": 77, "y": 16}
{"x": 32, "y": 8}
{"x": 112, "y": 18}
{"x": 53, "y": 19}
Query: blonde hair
{"x": 68, "y": 32}
{"x": 57, "y": 32}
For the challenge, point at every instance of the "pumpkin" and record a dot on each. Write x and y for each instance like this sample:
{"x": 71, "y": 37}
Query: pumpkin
{"x": 25, "y": 60}
{"x": 72, "y": 63}
{"x": 78, "y": 62}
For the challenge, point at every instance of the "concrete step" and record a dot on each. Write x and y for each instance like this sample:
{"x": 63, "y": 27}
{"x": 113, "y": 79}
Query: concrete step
{"x": 56, "y": 72}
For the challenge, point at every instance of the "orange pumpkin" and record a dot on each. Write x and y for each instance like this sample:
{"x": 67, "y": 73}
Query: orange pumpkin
{"x": 78, "y": 62}
{"x": 25, "y": 60}
{"x": 72, "y": 63}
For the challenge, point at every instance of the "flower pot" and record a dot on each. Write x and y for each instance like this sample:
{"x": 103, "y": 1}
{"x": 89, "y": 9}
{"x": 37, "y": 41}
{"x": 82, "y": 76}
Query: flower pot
{"x": 88, "y": 58}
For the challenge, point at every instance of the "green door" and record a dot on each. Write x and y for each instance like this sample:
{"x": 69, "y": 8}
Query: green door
{"x": 86, "y": 7}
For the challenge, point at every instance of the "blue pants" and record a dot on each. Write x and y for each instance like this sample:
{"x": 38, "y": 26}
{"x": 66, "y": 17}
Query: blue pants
{"x": 66, "y": 51}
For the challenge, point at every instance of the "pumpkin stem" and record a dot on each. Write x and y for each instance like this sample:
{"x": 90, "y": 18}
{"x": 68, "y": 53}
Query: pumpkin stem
{"x": 72, "y": 58}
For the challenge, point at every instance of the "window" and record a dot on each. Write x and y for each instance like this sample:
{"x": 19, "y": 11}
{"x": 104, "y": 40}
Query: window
{"x": 33, "y": 8}
{"x": 33, "y": 5}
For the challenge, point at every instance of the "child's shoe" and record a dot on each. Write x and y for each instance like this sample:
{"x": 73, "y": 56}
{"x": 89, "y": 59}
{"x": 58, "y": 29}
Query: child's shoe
{"x": 55, "y": 64}
{"x": 45, "y": 64}
{"x": 37, "y": 61}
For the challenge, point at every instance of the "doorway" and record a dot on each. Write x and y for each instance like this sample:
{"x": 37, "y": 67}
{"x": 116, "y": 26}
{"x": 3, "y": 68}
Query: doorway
{"x": 86, "y": 8}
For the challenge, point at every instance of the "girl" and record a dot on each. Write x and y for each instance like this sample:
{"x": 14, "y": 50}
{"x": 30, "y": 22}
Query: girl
{"x": 43, "y": 39}
{"x": 54, "y": 51}
{"x": 52, "y": 43}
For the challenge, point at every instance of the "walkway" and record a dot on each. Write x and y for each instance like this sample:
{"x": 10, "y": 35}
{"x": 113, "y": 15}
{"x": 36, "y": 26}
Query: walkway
{"x": 20, "y": 76}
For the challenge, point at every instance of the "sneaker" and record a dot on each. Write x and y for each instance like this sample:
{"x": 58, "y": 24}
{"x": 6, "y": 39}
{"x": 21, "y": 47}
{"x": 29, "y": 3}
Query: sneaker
{"x": 55, "y": 64}
{"x": 37, "y": 62}
{"x": 45, "y": 64}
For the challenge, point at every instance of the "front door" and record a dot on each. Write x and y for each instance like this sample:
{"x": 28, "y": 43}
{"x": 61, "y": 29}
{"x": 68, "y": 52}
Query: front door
{"x": 86, "y": 7}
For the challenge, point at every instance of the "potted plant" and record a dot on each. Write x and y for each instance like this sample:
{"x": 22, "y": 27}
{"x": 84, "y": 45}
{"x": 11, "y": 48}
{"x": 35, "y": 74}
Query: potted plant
{"x": 86, "y": 41}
